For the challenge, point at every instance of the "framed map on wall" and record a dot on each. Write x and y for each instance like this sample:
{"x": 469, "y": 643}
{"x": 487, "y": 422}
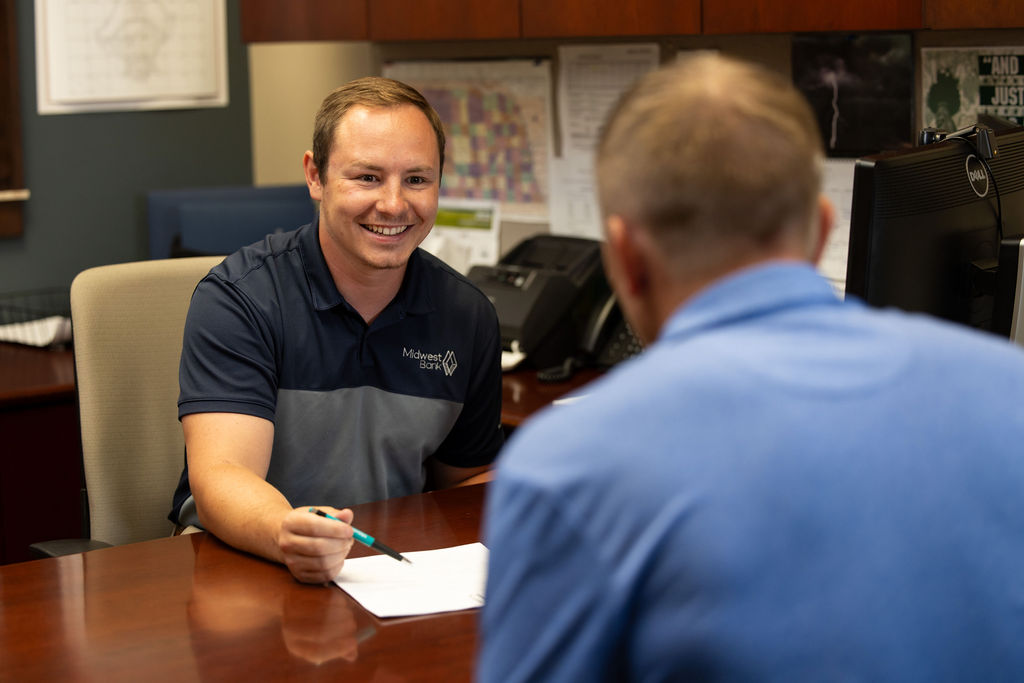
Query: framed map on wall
{"x": 497, "y": 122}
{"x": 110, "y": 55}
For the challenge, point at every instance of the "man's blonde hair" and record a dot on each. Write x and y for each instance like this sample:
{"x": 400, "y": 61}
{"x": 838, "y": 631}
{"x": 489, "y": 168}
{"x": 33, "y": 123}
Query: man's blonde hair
{"x": 713, "y": 156}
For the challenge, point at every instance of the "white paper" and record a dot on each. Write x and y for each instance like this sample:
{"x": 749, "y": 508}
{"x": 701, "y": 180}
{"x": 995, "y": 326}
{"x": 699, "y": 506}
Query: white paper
{"x": 443, "y": 580}
{"x": 838, "y": 187}
{"x": 591, "y": 80}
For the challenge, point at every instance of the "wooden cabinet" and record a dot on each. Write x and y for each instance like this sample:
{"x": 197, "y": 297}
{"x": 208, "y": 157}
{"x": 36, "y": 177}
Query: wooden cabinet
{"x": 957, "y": 14}
{"x": 12, "y": 182}
{"x": 794, "y": 16}
{"x": 398, "y": 20}
{"x": 443, "y": 19}
{"x": 584, "y": 18}
{"x": 286, "y": 20}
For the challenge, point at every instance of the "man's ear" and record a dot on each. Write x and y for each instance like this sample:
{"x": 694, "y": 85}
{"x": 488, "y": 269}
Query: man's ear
{"x": 826, "y": 220}
{"x": 312, "y": 176}
{"x": 627, "y": 261}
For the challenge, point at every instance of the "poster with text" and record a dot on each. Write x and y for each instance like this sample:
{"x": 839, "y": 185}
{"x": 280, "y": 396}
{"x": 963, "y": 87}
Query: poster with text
{"x": 963, "y": 86}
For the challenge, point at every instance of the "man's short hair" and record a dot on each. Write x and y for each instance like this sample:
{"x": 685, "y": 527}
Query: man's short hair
{"x": 372, "y": 91}
{"x": 712, "y": 154}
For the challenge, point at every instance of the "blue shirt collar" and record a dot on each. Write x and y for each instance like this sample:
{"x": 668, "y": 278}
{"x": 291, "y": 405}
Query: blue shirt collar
{"x": 750, "y": 292}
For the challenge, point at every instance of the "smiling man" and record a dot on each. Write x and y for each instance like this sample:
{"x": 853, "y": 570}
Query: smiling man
{"x": 338, "y": 364}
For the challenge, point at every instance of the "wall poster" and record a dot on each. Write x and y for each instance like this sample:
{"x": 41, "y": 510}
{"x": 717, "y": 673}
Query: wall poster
{"x": 963, "y": 86}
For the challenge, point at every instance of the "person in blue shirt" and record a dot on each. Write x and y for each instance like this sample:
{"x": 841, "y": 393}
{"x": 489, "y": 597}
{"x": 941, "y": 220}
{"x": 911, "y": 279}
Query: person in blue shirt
{"x": 783, "y": 486}
{"x": 338, "y": 363}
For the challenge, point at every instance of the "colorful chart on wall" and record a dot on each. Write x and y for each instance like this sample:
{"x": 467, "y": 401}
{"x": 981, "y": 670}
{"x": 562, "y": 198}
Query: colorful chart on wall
{"x": 498, "y": 126}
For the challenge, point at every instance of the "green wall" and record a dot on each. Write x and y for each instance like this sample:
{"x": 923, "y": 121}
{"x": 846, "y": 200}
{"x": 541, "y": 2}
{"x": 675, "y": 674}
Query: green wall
{"x": 89, "y": 173}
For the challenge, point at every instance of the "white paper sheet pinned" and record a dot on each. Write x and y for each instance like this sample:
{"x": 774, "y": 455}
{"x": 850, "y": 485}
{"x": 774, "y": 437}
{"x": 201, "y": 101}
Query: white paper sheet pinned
{"x": 443, "y": 580}
{"x": 838, "y": 187}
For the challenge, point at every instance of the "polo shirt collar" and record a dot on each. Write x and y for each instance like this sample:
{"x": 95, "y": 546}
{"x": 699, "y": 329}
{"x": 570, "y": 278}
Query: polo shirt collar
{"x": 751, "y": 292}
{"x": 414, "y": 296}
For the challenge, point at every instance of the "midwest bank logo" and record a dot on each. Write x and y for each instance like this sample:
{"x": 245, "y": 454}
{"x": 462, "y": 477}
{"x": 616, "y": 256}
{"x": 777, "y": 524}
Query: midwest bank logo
{"x": 433, "y": 361}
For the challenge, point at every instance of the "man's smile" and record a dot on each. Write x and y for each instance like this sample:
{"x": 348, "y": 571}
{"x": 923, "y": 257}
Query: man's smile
{"x": 387, "y": 230}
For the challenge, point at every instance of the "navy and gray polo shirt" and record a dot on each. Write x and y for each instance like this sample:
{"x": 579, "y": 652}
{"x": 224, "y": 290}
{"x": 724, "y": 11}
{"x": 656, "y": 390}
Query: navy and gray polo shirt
{"x": 358, "y": 409}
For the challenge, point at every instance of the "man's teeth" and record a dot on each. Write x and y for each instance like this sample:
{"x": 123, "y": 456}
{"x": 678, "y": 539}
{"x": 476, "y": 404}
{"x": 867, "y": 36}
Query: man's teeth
{"x": 386, "y": 229}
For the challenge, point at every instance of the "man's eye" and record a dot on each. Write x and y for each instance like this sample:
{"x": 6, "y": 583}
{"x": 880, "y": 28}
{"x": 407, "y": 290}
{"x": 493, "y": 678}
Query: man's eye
{"x": 417, "y": 180}
{"x": 367, "y": 178}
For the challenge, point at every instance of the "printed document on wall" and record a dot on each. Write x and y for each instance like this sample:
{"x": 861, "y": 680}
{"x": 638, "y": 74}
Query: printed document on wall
{"x": 838, "y": 187}
{"x": 114, "y": 55}
{"x": 497, "y": 119}
{"x": 591, "y": 80}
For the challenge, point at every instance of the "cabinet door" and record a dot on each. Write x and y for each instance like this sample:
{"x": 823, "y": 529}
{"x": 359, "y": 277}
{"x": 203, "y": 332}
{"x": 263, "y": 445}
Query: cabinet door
{"x": 775, "y": 16}
{"x": 443, "y": 19}
{"x": 284, "y": 20}
{"x": 548, "y": 19}
{"x": 954, "y": 14}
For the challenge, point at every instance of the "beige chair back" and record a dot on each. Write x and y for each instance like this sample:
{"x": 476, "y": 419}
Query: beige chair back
{"x": 128, "y": 320}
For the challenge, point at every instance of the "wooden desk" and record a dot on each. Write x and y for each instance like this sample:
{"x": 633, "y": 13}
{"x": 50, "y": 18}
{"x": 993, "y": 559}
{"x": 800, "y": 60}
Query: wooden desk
{"x": 522, "y": 394}
{"x": 28, "y": 374}
{"x": 191, "y": 608}
{"x": 40, "y": 449}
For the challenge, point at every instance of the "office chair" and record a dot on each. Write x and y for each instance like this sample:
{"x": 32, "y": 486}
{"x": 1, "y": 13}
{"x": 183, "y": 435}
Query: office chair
{"x": 127, "y": 322}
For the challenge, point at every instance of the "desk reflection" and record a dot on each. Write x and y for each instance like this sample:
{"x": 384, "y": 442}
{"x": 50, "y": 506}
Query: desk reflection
{"x": 192, "y": 608}
{"x": 318, "y": 624}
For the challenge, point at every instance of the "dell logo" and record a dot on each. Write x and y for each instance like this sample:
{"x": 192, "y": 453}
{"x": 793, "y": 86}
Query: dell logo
{"x": 977, "y": 175}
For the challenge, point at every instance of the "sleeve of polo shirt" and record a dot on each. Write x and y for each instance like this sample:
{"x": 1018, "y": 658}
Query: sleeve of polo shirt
{"x": 228, "y": 356}
{"x": 476, "y": 437}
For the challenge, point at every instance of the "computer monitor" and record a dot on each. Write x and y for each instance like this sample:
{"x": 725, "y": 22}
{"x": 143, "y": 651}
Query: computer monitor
{"x": 219, "y": 220}
{"x": 928, "y": 226}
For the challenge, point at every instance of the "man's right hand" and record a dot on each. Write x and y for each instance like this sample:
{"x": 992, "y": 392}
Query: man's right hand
{"x": 314, "y": 548}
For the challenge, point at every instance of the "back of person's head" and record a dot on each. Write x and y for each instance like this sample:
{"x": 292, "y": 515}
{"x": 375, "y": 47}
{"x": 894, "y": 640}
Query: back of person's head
{"x": 372, "y": 91}
{"x": 714, "y": 157}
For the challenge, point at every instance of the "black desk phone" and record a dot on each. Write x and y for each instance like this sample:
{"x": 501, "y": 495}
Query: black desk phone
{"x": 555, "y": 306}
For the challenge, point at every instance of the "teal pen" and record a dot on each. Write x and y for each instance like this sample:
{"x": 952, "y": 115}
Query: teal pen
{"x": 365, "y": 538}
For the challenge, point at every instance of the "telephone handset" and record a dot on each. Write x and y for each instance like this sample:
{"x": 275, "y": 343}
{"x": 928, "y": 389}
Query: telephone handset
{"x": 607, "y": 339}
{"x": 556, "y": 310}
